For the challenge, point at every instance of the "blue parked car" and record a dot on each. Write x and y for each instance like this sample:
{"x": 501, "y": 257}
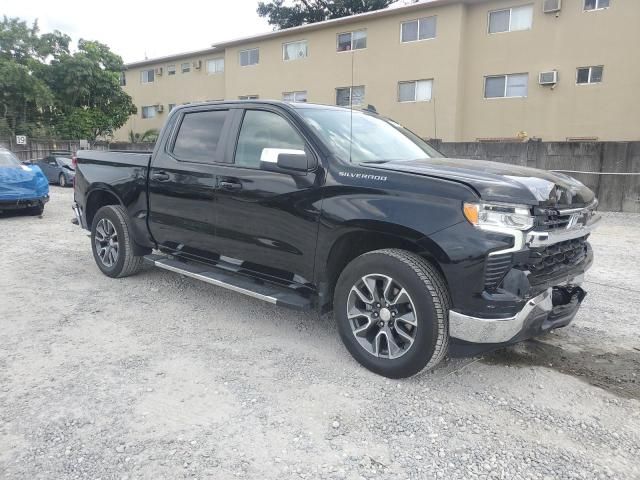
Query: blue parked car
{"x": 22, "y": 187}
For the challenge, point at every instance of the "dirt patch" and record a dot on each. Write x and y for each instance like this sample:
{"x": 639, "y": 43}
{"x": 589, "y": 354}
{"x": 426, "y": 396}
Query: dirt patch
{"x": 617, "y": 372}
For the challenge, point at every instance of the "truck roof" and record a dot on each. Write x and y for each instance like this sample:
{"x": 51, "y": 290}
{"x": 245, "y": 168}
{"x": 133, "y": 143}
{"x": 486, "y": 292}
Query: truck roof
{"x": 296, "y": 105}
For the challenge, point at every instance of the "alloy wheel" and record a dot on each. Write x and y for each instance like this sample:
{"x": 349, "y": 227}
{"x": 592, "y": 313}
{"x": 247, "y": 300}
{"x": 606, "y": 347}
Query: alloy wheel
{"x": 382, "y": 316}
{"x": 106, "y": 242}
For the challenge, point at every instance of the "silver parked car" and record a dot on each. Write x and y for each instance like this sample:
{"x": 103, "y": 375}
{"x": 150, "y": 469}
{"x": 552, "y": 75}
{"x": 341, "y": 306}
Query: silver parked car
{"x": 58, "y": 168}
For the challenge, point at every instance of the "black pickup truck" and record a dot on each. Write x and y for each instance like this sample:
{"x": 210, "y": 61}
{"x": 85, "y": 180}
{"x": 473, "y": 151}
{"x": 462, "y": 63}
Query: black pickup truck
{"x": 313, "y": 206}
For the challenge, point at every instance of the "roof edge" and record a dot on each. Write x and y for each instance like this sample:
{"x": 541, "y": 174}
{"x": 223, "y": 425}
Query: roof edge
{"x": 221, "y": 46}
{"x": 177, "y": 56}
{"x": 340, "y": 21}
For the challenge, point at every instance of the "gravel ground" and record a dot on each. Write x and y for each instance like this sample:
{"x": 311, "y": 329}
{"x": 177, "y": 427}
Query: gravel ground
{"x": 159, "y": 376}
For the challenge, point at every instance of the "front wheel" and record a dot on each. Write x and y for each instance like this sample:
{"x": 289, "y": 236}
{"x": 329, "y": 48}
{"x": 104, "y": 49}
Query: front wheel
{"x": 392, "y": 311}
{"x": 62, "y": 180}
{"x": 112, "y": 244}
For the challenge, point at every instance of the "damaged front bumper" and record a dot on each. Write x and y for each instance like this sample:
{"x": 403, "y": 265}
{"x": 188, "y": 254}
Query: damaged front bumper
{"x": 530, "y": 288}
{"x": 554, "y": 308}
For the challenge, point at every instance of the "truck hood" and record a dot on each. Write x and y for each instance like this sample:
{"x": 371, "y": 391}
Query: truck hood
{"x": 500, "y": 182}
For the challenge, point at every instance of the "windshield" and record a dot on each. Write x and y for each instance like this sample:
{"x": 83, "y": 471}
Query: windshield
{"x": 374, "y": 139}
{"x": 8, "y": 159}
{"x": 66, "y": 162}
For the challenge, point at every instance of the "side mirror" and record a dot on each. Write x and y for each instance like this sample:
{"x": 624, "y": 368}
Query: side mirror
{"x": 285, "y": 159}
{"x": 27, "y": 162}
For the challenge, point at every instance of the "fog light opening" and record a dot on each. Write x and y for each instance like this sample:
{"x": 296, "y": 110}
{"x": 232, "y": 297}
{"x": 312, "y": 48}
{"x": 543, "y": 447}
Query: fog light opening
{"x": 561, "y": 296}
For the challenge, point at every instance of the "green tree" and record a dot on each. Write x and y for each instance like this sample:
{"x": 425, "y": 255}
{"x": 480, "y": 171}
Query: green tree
{"x": 25, "y": 98}
{"x": 301, "y": 12}
{"x": 89, "y": 100}
{"x": 150, "y": 136}
{"x": 45, "y": 89}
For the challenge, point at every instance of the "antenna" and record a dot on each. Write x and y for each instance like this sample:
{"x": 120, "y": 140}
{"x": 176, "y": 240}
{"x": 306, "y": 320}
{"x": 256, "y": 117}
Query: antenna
{"x": 435, "y": 119}
{"x": 351, "y": 105}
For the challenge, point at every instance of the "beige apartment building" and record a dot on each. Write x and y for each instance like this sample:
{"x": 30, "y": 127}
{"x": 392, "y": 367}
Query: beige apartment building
{"x": 458, "y": 70}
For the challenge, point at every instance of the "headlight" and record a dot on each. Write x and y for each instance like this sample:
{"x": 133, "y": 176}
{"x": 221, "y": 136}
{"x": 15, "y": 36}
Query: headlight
{"x": 501, "y": 215}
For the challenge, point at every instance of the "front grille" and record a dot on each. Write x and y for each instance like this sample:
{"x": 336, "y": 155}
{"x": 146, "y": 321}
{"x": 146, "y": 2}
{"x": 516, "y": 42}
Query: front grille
{"x": 555, "y": 258}
{"x": 552, "y": 220}
{"x": 496, "y": 268}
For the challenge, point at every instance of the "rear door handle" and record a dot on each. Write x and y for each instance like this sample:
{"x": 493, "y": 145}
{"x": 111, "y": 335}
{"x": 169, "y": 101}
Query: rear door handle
{"x": 160, "y": 176}
{"x": 230, "y": 185}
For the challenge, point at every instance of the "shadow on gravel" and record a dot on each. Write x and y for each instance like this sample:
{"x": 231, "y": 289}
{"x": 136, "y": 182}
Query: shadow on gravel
{"x": 15, "y": 213}
{"x": 618, "y": 373}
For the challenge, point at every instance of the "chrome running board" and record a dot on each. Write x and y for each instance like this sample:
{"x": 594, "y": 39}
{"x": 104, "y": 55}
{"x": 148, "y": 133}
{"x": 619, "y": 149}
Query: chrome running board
{"x": 256, "y": 288}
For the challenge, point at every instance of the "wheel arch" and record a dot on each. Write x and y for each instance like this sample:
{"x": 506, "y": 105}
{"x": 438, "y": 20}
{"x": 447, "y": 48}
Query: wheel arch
{"x": 97, "y": 198}
{"x": 352, "y": 244}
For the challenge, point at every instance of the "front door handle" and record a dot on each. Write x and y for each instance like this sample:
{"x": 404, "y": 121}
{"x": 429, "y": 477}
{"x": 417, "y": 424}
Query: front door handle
{"x": 160, "y": 176}
{"x": 230, "y": 185}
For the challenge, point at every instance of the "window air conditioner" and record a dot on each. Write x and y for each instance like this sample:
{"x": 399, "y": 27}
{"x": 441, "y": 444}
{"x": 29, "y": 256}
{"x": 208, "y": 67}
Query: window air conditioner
{"x": 551, "y": 6}
{"x": 548, "y": 78}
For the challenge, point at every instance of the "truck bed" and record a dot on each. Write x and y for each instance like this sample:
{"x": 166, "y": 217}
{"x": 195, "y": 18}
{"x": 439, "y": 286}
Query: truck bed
{"x": 122, "y": 174}
{"x": 115, "y": 157}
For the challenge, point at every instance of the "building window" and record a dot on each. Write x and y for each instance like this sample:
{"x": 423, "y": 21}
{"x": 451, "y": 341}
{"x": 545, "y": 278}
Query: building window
{"x": 295, "y": 50}
{"x": 171, "y": 69}
{"x": 415, "y": 91}
{"x": 249, "y": 57}
{"x": 185, "y": 67}
{"x": 511, "y": 19}
{"x": 586, "y": 75}
{"x": 149, "y": 111}
{"x": 123, "y": 79}
{"x": 215, "y": 65}
{"x": 300, "y": 96}
{"x": 506, "y": 86}
{"x": 147, "y": 76}
{"x": 420, "y": 29}
{"x": 590, "y": 5}
{"x": 352, "y": 41}
{"x": 248, "y": 97}
{"x": 348, "y": 96}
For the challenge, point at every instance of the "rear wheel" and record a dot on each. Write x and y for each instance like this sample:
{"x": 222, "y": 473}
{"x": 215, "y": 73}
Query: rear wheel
{"x": 391, "y": 308}
{"x": 62, "y": 180}
{"x": 112, "y": 244}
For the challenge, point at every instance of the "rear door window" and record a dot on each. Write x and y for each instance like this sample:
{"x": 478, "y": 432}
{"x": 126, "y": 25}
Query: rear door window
{"x": 200, "y": 136}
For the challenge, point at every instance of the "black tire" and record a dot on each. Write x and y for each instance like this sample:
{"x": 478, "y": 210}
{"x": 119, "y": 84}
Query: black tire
{"x": 62, "y": 180}
{"x": 126, "y": 263}
{"x": 430, "y": 300}
{"x": 36, "y": 211}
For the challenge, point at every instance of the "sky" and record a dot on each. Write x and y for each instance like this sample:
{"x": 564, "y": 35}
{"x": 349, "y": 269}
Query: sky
{"x": 139, "y": 29}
